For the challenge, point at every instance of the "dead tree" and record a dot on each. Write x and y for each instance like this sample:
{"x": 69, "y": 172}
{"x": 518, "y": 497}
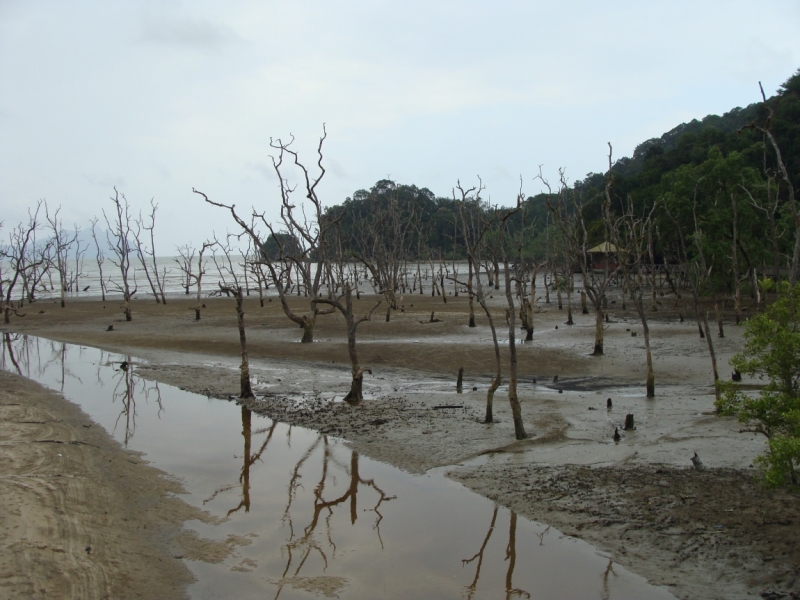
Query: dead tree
{"x": 633, "y": 238}
{"x": 632, "y": 235}
{"x": 568, "y": 213}
{"x": 513, "y": 399}
{"x": 382, "y": 243}
{"x": 344, "y": 304}
{"x": 302, "y": 247}
{"x": 16, "y": 256}
{"x": 36, "y": 266}
{"x": 474, "y": 228}
{"x": 355, "y": 394}
{"x": 147, "y": 255}
{"x": 695, "y": 277}
{"x": 118, "y": 236}
{"x": 61, "y": 244}
{"x": 787, "y": 180}
{"x": 100, "y": 257}
{"x": 185, "y": 262}
{"x": 523, "y": 270}
{"x": 705, "y": 270}
{"x": 231, "y": 284}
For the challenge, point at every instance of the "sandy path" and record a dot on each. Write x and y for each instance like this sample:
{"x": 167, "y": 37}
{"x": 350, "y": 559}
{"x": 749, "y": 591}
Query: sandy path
{"x": 636, "y": 499}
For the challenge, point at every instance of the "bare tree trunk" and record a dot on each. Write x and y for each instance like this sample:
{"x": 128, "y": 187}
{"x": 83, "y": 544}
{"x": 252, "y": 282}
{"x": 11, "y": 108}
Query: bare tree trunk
{"x": 513, "y": 399}
{"x": 246, "y": 391}
{"x": 471, "y": 295}
{"x": 120, "y": 231}
{"x": 651, "y": 251}
{"x": 737, "y": 296}
{"x": 558, "y": 290}
{"x": 598, "y": 329}
{"x": 650, "y": 385}
{"x": 697, "y": 314}
{"x": 713, "y": 356}
{"x": 569, "y": 298}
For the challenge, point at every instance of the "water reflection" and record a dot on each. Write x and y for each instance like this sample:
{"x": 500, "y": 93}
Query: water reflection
{"x": 314, "y": 518}
{"x": 126, "y": 386}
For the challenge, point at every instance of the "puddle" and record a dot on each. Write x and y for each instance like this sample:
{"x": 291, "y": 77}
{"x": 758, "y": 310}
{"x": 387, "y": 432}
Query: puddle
{"x": 309, "y": 517}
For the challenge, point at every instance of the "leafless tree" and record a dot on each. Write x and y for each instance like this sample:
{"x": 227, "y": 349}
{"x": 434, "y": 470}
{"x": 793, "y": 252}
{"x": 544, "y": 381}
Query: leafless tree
{"x": 631, "y": 235}
{"x": 474, "y": 230}
{"x": 118, "y": 236}
{"x": 101, "y": 257}
{"x": 474, "y": 227}
{"x": 696, "y": 276}
{"x": 147, "y": 254}
{"x": 787, "y": 181}
{"x": 35, "y": 267}
{"x": 513, "y": 398}
{"x": 185, "y": 262}
{"x": 17, "y": 257}
{"x": 231, "y": 284}
{"x": 568, "y": 212}
{"x": 383, "y": 240}
{"x": 303, "y": 246}
{"x": 344, "y": 304}
{"x": 62, "y": 242}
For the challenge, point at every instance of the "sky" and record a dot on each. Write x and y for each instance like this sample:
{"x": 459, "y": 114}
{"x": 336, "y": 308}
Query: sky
{"x": 156, "y": 97}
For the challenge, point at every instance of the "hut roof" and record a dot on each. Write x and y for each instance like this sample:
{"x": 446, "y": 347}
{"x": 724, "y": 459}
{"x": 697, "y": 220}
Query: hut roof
{"x": 604, "y": 248}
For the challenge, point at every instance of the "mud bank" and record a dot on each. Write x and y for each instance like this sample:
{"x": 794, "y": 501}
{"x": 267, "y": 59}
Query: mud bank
{"x": 705, "y": 534}
{"x": 81, "y": 518}
{"x": 710, "y": 534}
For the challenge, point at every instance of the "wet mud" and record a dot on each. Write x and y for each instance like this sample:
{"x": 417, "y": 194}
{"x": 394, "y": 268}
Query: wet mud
{"x": 626, "y": 498}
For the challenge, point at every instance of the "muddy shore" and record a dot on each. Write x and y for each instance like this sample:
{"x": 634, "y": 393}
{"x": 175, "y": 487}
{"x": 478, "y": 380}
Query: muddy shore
{"x": 81, "y": 517}
{"x": 713, "y": 534}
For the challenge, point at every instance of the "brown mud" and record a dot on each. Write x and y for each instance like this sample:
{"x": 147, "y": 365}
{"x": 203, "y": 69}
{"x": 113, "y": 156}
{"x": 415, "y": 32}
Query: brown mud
{"x": 715, "y": 533}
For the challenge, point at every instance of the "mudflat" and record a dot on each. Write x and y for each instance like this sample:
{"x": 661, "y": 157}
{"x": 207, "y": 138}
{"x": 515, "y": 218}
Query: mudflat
{"x": 715, "y": 533}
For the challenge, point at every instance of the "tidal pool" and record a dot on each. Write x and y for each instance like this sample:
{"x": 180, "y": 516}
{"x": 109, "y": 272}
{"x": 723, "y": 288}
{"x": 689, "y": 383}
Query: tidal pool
{"x": 304, "y": 515}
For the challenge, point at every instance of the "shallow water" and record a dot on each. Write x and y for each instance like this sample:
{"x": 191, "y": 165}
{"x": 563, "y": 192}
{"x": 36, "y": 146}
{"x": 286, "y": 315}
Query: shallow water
{"x": 310, "y": 518}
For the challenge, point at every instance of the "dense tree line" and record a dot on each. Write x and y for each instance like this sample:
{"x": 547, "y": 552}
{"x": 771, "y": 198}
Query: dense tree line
{"x": 719, "y": 169}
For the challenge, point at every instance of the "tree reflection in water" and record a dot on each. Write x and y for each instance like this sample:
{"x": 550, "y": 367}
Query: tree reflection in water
{"x": 511, "y": 557}
{"x": 606, "y": 588}
{"x": 300, "y": 546}
{"x": 303, "y": 546}
{"x": 8, "y": 353}
{"x": 127, "y": 385}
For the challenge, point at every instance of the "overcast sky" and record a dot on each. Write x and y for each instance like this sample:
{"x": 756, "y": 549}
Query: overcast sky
{"x": 156, "y": 97}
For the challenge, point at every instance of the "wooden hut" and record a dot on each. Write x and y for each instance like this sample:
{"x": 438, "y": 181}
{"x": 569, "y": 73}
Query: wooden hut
{"x": 604, "y": 256}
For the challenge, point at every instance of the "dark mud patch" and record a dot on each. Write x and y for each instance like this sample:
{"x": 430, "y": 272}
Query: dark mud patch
{"x": 381, "y": 428}
{"x": 664, "y": 523}
{"x": 584, "y": 384}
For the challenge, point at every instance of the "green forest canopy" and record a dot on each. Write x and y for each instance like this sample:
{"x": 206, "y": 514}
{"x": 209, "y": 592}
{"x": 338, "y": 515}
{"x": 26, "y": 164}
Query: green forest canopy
{"x": 714, "y": 158}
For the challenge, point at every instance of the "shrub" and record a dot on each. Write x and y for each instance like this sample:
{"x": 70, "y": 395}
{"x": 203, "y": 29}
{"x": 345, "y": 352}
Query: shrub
{"x": 772, "y": 353}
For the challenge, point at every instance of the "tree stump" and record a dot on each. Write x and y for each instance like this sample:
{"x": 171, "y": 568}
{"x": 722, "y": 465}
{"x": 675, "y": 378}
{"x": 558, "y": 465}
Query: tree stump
{"x": 629, "y": 422}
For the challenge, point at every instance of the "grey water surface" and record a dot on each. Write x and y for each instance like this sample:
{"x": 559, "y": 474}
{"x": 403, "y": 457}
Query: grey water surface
{"x": 309, "y": 517}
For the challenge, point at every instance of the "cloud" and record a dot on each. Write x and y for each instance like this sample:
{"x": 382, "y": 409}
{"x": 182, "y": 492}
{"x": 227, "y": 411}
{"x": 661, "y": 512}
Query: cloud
{"x": 105, "y": 181}
{"x": 185, "y": 31}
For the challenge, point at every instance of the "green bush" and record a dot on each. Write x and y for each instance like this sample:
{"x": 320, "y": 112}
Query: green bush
{"x": 772, "y": 353}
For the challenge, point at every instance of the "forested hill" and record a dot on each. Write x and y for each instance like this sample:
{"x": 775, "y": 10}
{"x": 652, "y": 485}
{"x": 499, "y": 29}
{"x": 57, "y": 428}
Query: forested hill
{"x": 691, "y": 152}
